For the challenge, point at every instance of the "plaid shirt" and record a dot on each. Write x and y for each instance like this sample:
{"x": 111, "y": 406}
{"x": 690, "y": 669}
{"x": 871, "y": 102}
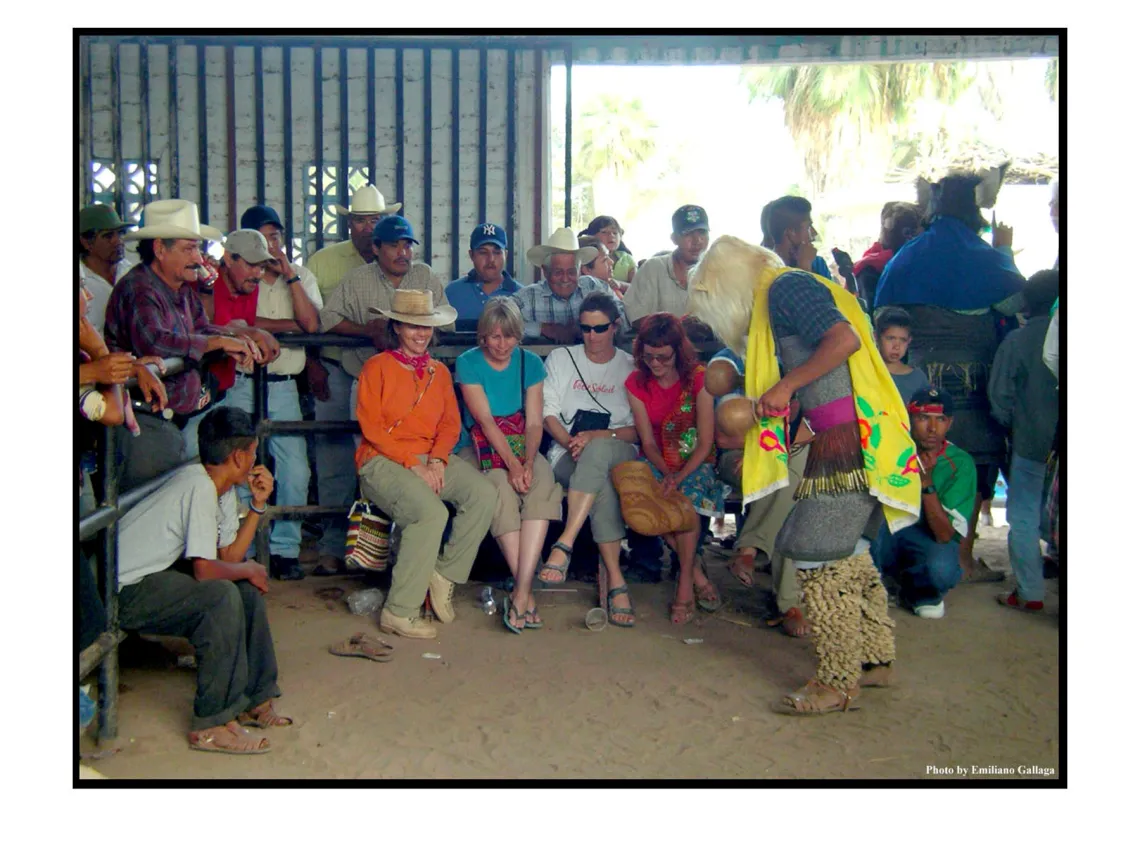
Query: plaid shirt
{"x": 145, "y": 317}
{"x": 540, "y": 305}
{"x": 799, "y": 304}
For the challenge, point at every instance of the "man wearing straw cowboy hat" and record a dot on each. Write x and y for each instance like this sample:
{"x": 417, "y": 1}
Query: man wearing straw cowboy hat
{"x": 346, "y": 311}
{"x": 154, "y": 311}
{"x": 409, "y": 421}
{"x": 550, "y": 307}
{"x": 331, "y": 385}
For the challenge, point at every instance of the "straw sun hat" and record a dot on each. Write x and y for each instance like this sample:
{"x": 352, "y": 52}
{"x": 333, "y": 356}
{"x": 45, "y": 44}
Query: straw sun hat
{"x": 418, "y": 308}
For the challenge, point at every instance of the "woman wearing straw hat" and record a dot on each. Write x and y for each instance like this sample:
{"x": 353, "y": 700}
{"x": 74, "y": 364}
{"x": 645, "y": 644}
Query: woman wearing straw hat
{"x": 502, "y": 387}
{"x": 409, "y": 419}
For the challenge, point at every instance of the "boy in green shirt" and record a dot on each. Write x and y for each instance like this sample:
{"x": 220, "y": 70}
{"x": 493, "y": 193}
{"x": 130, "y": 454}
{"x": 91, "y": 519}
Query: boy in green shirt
{"x": 924, "y": 556}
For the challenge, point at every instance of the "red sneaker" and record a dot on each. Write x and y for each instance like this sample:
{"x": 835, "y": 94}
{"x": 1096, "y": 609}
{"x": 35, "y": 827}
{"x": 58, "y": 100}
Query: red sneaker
{"x": 1014, "y": 602}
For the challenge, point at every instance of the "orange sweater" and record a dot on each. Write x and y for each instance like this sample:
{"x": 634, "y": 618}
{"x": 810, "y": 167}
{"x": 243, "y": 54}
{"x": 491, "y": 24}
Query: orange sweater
{"x": 386, "y": 394}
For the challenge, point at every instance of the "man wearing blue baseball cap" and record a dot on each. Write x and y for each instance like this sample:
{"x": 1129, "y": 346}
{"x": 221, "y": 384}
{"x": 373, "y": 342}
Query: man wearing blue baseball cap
{"x": 346, "y": 312}
{"x": 487, "y": 278}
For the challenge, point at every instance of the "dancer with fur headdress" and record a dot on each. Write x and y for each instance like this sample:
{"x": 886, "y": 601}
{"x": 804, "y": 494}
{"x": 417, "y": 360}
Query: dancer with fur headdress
{"x": 860, "y": 462}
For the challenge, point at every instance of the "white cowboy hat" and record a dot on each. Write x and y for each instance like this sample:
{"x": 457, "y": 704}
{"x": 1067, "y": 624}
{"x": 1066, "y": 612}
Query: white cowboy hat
{"x": 417, "y": 307}
{"x": 562, "y": 241}
{"x": 172, "y": 219}
{"x": 368, "y": 200}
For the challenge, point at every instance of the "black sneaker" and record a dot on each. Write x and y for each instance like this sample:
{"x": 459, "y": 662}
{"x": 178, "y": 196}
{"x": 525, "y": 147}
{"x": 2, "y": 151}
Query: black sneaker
{"x": 285, "y": 569}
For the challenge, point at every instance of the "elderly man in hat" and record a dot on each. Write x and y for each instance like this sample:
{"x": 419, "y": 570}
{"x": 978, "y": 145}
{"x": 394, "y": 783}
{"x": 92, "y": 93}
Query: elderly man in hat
{"x": 102, "y": 257}
{"x": 242, "y": 296}
{"x": 661, "y": 284}
{"x": 155, "y": 311}
{"x": 550, "y": 307}
{"x": 487, "y": 278}
{"x": 924, "y": 557}
{"x": 346, "y": 311}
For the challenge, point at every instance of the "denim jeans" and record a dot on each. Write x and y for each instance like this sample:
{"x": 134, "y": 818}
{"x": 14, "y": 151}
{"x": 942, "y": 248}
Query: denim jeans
{"x": 190, "y": 433}
{"x": 925, "y": 568}
{"x": 1023, "y": 512}
{"x": 290, "y": 459}
{"x": 336, "y": 459}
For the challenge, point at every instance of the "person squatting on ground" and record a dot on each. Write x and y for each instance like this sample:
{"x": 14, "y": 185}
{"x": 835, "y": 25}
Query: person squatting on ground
{"x": 924, "y": 557}
{"x": 1024, "y": 397}
{"x": 502, "y": 388}
{"x": 762, "y": 518}
{"x": 673, "y": 414}
{"x": 586, "y": 412}
{"x": 409, "y": 421}
{"x": 859, "y": 448}
{"x": 193, "y": 520}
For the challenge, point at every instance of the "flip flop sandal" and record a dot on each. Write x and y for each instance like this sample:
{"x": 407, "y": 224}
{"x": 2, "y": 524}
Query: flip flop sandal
{"x": 509, "y": 610}
{"x": 614, "y": 610}
{"x": 365, "y": 646}
{"x": 707, "y": 603}
{"x": 208, "y": 744}
{"x": 746, "y": 575}
{"x": 782, "y": 623}
{"x": 532, "y": 624}
{"x": 809, "y": 701}
{"x": 563, "y": 568}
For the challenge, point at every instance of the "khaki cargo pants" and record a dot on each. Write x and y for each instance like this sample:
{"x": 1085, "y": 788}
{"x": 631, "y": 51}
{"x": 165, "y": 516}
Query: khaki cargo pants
{"x": 764, "y": 519}
{"x": 421, "y": 516}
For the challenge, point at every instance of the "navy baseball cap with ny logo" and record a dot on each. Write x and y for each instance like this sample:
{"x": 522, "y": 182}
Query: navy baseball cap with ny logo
{"x": 489, "y": 233}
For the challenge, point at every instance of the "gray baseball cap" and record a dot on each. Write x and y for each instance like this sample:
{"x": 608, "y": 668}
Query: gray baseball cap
{"x": 249, "y": 244}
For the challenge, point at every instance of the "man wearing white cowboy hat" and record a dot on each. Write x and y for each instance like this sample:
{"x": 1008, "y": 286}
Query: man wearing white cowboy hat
{"x": 409, "y": 421}
{"x": 550, "y": 307}
{"x": 346, "y": 311}
{"x": 155, "y": 311}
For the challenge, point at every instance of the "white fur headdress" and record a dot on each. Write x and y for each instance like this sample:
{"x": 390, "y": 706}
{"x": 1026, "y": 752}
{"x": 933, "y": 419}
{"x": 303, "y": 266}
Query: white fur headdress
{"x": 722, "y": 286}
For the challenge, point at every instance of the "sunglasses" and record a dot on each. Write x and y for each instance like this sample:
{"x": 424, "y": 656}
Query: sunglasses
{"x": 656, "y": 357}
{"x": 596, "y": 328}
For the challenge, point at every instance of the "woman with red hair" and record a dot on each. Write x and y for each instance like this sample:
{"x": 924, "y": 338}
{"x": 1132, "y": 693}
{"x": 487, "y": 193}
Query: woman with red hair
{"x": 673, "y": 415}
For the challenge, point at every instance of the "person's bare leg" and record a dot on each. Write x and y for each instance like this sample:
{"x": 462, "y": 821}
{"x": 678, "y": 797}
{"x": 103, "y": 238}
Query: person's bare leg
{"x": 578, "y": 505}
{"x": 611, "y": 559}
{"x": 509, "y": 546}
{"x": 531, "y": 538}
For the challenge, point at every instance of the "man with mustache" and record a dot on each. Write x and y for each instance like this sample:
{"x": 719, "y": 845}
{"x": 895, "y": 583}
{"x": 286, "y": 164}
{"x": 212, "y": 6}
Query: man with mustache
{"x": 102, "y": 257}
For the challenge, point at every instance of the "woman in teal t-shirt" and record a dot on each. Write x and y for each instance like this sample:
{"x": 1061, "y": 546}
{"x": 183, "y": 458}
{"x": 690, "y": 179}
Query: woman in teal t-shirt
{"x": 501, "y": 385}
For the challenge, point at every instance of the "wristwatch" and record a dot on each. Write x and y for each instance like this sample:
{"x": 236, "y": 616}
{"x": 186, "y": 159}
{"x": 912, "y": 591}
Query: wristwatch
{"x": 440, "y": 460}
{"x": 929, "y": 491}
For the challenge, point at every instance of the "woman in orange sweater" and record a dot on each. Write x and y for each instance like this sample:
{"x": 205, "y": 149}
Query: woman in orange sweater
{"x": 409, "y": 418}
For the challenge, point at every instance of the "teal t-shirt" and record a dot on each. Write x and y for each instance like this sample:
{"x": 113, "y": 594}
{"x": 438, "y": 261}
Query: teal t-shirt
{"x": 503, "y": 388}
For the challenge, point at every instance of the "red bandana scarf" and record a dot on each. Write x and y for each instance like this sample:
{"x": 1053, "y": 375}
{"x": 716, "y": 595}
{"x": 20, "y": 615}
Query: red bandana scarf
{"x": 419, "y": 363}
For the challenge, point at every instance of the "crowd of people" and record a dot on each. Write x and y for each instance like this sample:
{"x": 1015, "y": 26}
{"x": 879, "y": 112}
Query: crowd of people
{"x": 864, "y": 421}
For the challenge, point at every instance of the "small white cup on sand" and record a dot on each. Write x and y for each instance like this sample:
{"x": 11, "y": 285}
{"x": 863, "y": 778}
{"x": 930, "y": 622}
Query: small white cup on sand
{"x": 596, "y": 619}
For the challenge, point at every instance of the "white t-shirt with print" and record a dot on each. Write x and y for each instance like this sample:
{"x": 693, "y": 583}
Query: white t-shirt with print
{"x": 563, "y": 392}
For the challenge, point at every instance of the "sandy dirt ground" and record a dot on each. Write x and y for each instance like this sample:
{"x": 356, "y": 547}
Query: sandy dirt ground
{"x": 979, "y": 688}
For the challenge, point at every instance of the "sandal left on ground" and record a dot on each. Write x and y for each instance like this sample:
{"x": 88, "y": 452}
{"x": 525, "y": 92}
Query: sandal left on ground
{"x": 817, "y": 699}
{"x": 263, "y": 715}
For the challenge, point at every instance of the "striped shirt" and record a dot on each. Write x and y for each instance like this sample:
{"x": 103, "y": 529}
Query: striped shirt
{"x": 540, "y": 305}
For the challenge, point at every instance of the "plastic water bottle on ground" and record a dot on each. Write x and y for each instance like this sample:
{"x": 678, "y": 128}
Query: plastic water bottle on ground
{"x": 365, "y": 602}
{"x": 487, "y": 599}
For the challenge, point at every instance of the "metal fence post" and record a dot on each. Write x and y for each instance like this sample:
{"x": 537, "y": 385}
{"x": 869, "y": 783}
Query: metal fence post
{"x": 109, "y": 669}
{"x": 260, "y": 413}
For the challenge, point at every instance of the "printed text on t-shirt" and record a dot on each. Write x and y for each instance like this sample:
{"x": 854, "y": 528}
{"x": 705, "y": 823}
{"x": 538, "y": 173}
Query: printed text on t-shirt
{"x": 595, "y": 388}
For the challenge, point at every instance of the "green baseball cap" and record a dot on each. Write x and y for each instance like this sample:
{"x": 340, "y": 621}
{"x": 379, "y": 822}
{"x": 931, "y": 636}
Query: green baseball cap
{"x": 99, "y": 218}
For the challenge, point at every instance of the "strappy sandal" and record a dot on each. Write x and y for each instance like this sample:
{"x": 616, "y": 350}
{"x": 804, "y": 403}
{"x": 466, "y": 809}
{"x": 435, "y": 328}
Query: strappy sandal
{"x": 233, "y": 739}
{"x": 563, "y": 568}
{"x": 817, "y": 699}
{"x": 268, "y": 717}
{"x": 681, "y": 612}
{"x": 509, "y": 609}
{"x": 615, "y": 610}
{"x": 707, "y": 602}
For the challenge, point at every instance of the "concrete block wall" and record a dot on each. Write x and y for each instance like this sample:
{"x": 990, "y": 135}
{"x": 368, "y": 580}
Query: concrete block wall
{"x": 140, "y": 111}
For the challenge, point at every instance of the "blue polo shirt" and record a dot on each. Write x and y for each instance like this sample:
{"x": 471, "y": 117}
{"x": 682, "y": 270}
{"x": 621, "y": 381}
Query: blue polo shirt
{"x": 467, "y": 297}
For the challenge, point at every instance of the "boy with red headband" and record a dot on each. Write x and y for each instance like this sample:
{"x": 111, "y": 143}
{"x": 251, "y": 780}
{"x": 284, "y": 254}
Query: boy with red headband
{"x": 924, "y": 556}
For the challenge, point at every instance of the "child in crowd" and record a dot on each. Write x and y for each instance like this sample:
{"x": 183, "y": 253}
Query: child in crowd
{"x": 892, "y": 333}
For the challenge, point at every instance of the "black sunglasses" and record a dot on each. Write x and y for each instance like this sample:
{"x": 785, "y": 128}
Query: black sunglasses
{"x": 596, "y": 328}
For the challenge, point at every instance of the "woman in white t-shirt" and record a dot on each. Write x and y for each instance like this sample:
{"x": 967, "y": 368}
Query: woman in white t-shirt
{"x": 586, "y": 412}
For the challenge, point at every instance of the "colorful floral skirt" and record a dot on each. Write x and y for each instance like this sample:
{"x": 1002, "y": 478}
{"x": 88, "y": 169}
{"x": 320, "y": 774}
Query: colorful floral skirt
{"x": 702, "y": 488}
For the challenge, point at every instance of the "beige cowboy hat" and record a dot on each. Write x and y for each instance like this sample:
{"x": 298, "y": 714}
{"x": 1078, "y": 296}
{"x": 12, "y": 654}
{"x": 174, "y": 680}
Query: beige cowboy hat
{"x": 368, "y": 200}
{"x": 417, "y": 307}
{"x": 173, "y": 219}
{"x": 562, "y": 241}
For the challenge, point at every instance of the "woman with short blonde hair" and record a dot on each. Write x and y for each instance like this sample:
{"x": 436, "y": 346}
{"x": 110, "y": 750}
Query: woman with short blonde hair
{"x": 501, "y": 386}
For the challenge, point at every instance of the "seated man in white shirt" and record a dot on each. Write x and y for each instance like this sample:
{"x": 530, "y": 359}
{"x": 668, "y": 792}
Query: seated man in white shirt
{"x": 661, "y": 283}
{"x": 103, "y": 257}
{"x": 182, "y": 573}
{"x": 586, "y": 412}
